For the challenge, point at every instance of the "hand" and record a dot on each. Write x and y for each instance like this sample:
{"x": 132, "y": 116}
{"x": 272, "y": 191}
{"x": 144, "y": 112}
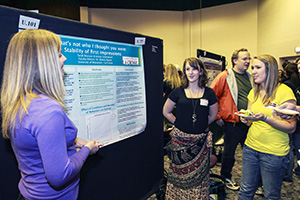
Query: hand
{"x": 289, "y": 106}
{"x": 79, "y": 143}
{"x": 94, "y": 146}
{"x": 220, "y": 122}
{"x": 257, "y": 117}
{"x": 243, "y": 120}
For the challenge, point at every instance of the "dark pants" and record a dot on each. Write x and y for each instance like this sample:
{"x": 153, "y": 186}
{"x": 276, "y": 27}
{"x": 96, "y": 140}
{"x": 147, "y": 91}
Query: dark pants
{"x": 234, "y": 133}
{"x": 294, "y": 146}
{"x": 289, "y": 171}
{"x": 296, "y": 143}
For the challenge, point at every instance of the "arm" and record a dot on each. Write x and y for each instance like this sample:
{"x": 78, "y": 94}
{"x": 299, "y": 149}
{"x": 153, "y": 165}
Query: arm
{"x": 79, "y": 143}
{"x": 288, "y": 126}
{"x": 289, "y": 106}
{"x": 244, "y": 120}
{"x": 213, "y": 113}
{"x": 94, "y": 146}
{"x": 59, "y": 167}
{"x": 167, "y": 110}
{"x": 218, "y": 86}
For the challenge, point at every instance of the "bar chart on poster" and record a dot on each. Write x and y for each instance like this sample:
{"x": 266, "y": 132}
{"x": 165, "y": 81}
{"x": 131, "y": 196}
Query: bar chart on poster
{"x": 105, "y": 88}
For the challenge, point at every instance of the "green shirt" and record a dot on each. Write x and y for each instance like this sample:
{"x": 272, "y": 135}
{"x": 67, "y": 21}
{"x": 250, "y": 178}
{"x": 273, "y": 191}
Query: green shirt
{"x": 244, "y": 87}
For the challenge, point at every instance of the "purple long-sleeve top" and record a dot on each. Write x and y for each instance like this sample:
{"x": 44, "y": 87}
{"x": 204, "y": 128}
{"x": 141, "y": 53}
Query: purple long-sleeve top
{"x": 44, "y": 147}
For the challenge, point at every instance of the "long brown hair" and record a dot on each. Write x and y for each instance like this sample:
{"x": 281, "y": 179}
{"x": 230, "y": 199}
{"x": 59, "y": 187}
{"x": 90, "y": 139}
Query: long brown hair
{"x": 196, "y": 63}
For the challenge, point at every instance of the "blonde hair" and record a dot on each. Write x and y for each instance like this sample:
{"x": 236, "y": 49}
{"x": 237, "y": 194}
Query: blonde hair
{"x": 172, "y": 76}
{"x": 271, "y": 82}
{"x": 31, "y": 65}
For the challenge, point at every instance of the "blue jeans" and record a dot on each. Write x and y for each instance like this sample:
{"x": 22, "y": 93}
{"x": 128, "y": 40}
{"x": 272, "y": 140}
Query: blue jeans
{"x": 270, "y": 168}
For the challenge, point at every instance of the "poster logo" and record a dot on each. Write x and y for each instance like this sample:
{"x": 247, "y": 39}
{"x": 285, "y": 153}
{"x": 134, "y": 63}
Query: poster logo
{"x": 130, "y": 61}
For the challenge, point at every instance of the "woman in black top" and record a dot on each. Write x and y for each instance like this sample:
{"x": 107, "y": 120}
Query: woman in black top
{"x": 190, "y": 147}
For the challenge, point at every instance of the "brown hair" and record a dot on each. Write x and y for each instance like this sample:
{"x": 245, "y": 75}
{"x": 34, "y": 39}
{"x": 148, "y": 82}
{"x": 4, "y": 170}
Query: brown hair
{"x": 196, "y": 63}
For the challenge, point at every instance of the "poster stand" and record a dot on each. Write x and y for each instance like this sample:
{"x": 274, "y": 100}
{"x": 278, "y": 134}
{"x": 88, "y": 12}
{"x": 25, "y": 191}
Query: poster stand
{"x": 129, "y": 169}
{"x": 207, "y": 54}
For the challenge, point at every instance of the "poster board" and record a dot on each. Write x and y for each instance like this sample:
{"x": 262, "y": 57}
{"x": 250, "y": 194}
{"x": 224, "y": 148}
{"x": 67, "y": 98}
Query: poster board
{"x": 214, "y": 63}
{"x": 105, "y": 88}
{"x": 128, "y": 169}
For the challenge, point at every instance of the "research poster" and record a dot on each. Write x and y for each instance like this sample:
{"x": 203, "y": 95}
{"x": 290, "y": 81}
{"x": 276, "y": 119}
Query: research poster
{"x": 105, "y": 88}
{"x": 213, "y": 67}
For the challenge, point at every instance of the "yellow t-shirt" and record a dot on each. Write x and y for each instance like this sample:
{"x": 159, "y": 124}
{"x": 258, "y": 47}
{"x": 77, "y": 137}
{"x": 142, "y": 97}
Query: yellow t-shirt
{"x": 261, "y": 136}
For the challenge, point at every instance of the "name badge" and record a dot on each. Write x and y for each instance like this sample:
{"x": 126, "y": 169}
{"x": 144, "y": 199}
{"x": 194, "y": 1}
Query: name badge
{"x": 203, "y": 102}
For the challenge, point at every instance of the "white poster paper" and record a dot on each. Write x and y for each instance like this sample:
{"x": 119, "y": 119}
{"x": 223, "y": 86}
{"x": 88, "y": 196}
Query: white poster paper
{"x": 105, "y": 88}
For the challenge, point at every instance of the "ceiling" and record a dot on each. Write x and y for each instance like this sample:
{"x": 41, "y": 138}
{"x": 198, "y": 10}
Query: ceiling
{"x": 170, "y": 5}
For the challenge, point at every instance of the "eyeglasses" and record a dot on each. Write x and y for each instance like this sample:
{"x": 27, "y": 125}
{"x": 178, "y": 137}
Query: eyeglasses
{"x": 246, "y": 59}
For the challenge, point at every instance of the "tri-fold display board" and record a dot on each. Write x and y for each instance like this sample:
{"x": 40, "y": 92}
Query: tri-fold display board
{"x": 113, "y": 81}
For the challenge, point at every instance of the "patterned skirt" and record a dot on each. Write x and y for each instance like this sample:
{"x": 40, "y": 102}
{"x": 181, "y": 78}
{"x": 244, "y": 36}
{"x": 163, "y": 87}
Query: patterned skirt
{"x": 188, "y": 174}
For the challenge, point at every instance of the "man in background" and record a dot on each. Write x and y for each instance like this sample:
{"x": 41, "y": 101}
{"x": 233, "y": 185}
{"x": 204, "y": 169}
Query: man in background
{"x": 232, "y": 87}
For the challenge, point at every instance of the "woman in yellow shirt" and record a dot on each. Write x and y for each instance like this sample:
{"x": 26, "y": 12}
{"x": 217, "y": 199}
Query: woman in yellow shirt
{"x": 265, "y": 154}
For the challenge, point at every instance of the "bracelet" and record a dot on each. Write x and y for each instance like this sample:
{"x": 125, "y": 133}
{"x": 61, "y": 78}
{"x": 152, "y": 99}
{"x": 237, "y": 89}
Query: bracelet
{"x": 265, "y": 118}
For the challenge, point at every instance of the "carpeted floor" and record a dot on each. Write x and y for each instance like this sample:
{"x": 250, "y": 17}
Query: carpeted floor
{"x": 289, "y": 191}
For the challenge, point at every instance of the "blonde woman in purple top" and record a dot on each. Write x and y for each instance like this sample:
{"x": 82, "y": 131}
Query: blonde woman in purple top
{"x": 43, "y": 138}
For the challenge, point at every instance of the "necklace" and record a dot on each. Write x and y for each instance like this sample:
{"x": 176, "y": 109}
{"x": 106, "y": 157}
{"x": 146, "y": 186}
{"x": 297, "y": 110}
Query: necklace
{"x": 194, "y": 116}
{"x": 194, "y": 104}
